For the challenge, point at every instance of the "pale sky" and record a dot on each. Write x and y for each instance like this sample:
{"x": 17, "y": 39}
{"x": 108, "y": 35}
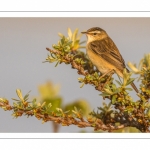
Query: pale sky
{"x": 22, "y": 47}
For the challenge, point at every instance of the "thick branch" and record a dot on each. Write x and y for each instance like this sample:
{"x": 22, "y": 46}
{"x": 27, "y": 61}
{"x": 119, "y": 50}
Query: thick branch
{"x": 65, "y": 120}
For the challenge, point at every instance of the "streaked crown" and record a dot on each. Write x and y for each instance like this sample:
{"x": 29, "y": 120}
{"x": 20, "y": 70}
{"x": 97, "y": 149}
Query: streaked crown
{"x": 95, "y": 29}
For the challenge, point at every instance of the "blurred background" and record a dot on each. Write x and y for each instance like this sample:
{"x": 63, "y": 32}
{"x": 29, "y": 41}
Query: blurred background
{"x": 23, "y": 43}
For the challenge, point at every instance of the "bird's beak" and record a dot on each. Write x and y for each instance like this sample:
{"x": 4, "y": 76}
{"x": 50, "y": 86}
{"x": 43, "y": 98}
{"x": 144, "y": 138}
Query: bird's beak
{"x": 84, "y": 32}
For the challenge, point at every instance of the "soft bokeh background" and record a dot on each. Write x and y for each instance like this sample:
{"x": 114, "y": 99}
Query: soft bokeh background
{"x": 22, "y": 51}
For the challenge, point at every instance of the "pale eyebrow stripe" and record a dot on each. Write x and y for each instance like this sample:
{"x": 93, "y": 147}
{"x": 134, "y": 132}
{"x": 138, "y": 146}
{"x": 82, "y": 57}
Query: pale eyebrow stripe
{"x": 96, "y": 31}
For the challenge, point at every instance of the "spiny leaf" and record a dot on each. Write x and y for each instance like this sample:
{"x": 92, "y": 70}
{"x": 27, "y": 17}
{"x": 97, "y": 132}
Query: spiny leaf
{"x": 60, "y": 34}
{"x": 70, "y": 33}
{"x": 130, "y": 81}
{"x": 15, "y": 99}
{"x": 133, "y": 68}
{"x": 57, "y": 63}
{"x": 82, "y": 85}
{"x": 114, "y": 99}
{"x": 26, "y": 96}
{"x": 118, "y": 82}
{"x": 129, "y": 89}
{"x": 74, "y": 36}
{"x": 19, "y": 93}
{"x": 104, "y": 94}
{"x": 108, "y": 91}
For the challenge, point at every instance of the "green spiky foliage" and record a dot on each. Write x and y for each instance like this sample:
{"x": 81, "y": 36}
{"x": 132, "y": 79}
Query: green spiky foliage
{"x": 120, "y": 111}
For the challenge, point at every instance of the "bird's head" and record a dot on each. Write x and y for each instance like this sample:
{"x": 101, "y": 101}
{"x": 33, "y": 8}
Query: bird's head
{"x": 95, "y": 33}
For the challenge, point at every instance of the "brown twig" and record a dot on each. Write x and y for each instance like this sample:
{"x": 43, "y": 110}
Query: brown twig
{"x": 74, "y": 65}
{"x": 66, "y": 120}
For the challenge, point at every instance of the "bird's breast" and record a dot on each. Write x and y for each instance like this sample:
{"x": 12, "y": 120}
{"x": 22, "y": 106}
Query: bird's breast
{"x": 99, "y": 62}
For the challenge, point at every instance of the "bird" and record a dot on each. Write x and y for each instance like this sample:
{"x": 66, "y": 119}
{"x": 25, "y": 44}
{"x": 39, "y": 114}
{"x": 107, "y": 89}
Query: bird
{"x": 104, "y": 54}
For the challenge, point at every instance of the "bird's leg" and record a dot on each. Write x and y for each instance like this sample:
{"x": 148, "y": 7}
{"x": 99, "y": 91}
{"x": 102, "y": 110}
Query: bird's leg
{"x": 111, "y": 72}
{"x": 108, "y": 79}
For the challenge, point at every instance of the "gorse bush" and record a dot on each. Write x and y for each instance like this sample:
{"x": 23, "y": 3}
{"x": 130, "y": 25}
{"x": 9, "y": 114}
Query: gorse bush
{"x": 122, "y": 110}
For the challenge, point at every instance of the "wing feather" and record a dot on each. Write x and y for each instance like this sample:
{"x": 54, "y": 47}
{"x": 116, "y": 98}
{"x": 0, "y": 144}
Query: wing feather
{"x": 107, "y": 49}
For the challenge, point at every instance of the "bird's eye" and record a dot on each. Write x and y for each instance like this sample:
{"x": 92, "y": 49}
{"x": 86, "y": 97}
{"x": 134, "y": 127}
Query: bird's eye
{"x": 94, "y": 33}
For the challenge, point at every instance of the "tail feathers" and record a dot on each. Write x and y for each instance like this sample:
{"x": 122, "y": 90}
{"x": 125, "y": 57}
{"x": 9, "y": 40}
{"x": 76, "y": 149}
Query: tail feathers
{"x": 132, "y": 84}
{"x": 134, "y": 87}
